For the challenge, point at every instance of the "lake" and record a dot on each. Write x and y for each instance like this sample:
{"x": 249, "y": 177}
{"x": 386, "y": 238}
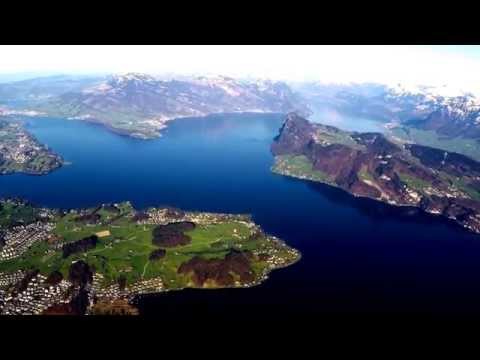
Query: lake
{"x": 358, "y": 255}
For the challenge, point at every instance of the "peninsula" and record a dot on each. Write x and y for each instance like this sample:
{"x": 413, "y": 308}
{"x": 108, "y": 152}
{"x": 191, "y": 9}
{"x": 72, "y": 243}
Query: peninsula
{"x": 20, "y": 152}
{"x": 372, "y": 165}
{"x": 96, "y": 261}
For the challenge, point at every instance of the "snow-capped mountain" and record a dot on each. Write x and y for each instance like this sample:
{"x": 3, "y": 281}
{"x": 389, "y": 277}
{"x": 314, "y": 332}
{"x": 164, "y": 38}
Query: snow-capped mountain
{"x": 140, "y": 104}
{"x": 449, "y": 111}
{"x": 452, "y": 117}
{"x": 432, "y": 96}
{"x": 219, "y": 94}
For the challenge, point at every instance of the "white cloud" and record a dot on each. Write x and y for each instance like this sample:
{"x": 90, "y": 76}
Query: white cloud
{"x": 386, "y": 64}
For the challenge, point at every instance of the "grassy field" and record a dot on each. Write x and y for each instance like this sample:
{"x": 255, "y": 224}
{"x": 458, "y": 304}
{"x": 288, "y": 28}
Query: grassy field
{"x": 363, "y": 174}
{"x": 474, "y": 194}
{"x": 124, "y": 120}
{"x": 414, "y": 183}
{"x": 10, "y": 214}
{"x": 337, "y": 137}
{"x": 298, "y": 166}
{"x": 462, "y": 185}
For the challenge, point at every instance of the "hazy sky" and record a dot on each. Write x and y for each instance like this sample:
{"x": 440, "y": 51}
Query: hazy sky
{"x": 457, "y": 66}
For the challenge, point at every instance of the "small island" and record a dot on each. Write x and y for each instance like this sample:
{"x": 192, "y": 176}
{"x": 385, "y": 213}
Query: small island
{"x": 97, "y": 261}
{"x": 20, "y": 152}
{"x": 382, "y": 168}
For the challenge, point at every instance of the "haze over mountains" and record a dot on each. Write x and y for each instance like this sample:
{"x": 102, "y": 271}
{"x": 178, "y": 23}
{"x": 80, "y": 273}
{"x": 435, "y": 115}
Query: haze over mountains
{"x": 139, "y": 105}
{"x": 429, "y": 116}
{"x": 398, "y": 104}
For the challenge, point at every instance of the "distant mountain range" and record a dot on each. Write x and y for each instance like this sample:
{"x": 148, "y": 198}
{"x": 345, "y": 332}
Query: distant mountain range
{"x": 35, "y": 90}
{"x": 429, "y": 116}
{"x": 139, "y": 105}
{"x": 423, "y": 107}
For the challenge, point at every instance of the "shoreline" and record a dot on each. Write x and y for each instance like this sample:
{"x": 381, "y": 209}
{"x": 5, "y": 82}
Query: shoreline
{"x": 39, "y": 173}
{"x": 165, "y": 122}
{"x": 40, "y": 151}
{"x": 194, "y": 288}
{"x": 394, "y": 205}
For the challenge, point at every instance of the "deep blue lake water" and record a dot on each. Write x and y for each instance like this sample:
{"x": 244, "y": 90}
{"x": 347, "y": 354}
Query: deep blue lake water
{"x": 358, "y": 255}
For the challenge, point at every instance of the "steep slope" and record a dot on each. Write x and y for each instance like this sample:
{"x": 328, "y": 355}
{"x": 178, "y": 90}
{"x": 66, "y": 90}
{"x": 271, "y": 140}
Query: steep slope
{"x": 371, "y": 165}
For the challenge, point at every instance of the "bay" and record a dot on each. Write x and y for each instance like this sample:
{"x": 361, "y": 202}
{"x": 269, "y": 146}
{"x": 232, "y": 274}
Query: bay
{"x": 358, "y": 255}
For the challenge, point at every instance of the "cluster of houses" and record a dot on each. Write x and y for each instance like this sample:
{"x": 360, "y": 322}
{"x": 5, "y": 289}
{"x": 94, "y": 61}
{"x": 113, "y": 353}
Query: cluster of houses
{"x": 20, "y": 238}
{"x": 164, "y": 216}
{"x": 474, "y": 223}
{"x": 36, "y": 298}
{"x": 8, "y": 279}
{"x": 113, "y": 292}
{"x": 5, "y": 111}
{"x": 25, "y": 146}
{"x": 146, "y": 286}
{"x": 39, "y": 295}
{"x": 452, "y": 192}
{"x": 274, "y": 259}
{"x": 413, "y": 197}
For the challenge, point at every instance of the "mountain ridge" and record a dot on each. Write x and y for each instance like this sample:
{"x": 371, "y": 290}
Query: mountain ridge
{"x": 140, "y": 104}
